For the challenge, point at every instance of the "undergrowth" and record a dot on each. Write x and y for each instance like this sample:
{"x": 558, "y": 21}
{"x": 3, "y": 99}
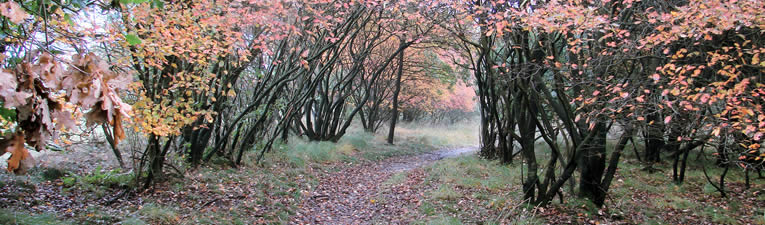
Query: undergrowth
{"x": 635, "y": 197}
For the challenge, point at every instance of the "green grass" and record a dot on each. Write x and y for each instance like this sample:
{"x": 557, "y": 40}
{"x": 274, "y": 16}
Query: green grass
{"x": 396, "y": 178}
{"x": 301, "y": 152}
{"x": 472, "y": 171}
{"x": 98, "y": 182}
{"x": 441, "y": 136}
{"x": 133, "y": 221}
{"x": 158, "y": 214}
{"x": 487, "y": 182}
{"x": 411, "y": 139}
{"x": 22, "y": 217}
{"x": 445, "y": 192}
{"x": 443, "y": 220}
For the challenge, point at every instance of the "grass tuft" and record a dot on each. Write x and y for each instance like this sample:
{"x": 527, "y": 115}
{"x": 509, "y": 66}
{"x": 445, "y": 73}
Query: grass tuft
{"x": 8, "y": 216}
{"x": 396, "y": 178}
{"x": 445, "y": 192}
{"x": 157, "y": 214}
{"x": 444, "y": 220}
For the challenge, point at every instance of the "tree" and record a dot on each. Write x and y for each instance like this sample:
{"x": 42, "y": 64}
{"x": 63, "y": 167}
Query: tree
{"x": 187, "y": 56}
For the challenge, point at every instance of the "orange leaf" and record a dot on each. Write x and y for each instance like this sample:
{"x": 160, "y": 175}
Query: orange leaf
{"x": 20, "y": 160}
{"x": 117, "y": 130}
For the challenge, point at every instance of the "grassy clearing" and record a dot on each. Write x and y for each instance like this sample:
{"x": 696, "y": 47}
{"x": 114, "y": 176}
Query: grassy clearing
{"x": 472, "y": 172}
{"x": 635, "y": 197}
{"x": 411, "y": 139}
{"x": 441, "y": 136}
{"x": 352, "y": 147}
{"x": 469, "y": 188}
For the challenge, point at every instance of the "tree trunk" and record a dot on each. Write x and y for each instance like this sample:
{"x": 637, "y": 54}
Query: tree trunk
{"x": 527, "y": 129}
{"x": 592, "y": 161}
{"x": 654, "y": 140}
{"x": 113, "y": 145}
{"x": 156, "y": 159}
{"x": 397, "y": 89}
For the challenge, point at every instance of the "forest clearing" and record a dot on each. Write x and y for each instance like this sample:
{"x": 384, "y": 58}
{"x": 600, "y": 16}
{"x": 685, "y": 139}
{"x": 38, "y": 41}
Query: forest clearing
{"x": 382, "y": 112}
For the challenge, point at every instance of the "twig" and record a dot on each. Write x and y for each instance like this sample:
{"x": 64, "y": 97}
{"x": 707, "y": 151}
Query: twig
{"x": 209, "y": 203}
{"x": 117, "y": 197}
{"x": 316, "y": 197}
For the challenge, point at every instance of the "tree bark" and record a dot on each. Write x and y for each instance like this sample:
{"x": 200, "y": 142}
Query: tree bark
{"x": 397, "y": 89}
{"x": 654, "y": 141}
{"x": 527, "y": 129}
{"x": 592, "y": 163}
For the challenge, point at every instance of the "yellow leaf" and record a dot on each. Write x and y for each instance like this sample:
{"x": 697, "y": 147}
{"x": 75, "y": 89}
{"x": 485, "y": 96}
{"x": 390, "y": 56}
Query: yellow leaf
{"x": 675, "y": 92}
{"x": 756, "y": 59}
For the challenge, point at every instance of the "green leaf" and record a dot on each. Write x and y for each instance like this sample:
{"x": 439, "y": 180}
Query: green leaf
{"x": 133, "y": 39}
{"x": 158, "y": 4}
{"x": 52, "y": 8}
{"x": 68, "y": 19}
{"x": 133, "y": 1}
{"x": 77, "y": 3}
{"x": 8, "y": 114}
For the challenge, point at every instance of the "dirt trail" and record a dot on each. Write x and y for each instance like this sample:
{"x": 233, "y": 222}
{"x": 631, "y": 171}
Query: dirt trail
{"x": 354, "y": 195}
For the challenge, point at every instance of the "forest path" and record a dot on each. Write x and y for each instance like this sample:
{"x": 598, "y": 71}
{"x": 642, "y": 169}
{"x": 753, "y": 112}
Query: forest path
{"x": 360, "y": 195}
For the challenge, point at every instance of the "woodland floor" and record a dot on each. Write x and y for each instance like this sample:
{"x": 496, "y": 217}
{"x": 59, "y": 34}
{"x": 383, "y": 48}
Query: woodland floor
{"x": 353, "y": 195}
{"x": 427, "y": 178}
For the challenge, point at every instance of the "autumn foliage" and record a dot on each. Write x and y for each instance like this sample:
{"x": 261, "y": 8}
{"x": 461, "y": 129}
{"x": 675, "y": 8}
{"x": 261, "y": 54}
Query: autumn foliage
{"x": 47, "y": 98}
{"x": 209, "y": 79}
